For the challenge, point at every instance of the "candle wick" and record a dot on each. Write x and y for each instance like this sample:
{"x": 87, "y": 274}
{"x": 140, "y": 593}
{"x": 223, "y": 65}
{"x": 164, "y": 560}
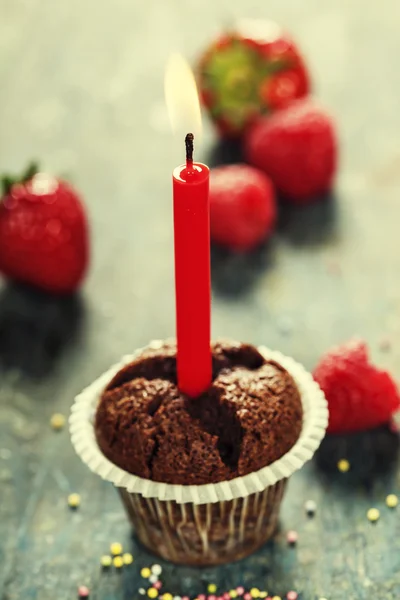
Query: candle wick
{"x": 189, "y": 148}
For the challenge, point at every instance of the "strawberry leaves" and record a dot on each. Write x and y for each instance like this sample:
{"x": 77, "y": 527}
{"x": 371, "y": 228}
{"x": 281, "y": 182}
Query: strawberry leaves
{"x": 7, "y": 181}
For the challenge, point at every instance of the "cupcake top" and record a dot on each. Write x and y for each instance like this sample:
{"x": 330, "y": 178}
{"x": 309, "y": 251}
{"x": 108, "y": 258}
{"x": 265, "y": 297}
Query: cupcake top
{"x": 249, "y": 417}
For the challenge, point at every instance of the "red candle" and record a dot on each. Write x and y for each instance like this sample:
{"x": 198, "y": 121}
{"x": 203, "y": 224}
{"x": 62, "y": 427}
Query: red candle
{"x": 192, "y": 274}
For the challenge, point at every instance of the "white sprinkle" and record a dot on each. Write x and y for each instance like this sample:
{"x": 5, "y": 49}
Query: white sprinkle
{"x": 310, "y": 507}
{"x": 177, "y": 598}
{"x": 142, "y": 591}
{"x": 153, "y": 578}
{"x": 156, "y": 569}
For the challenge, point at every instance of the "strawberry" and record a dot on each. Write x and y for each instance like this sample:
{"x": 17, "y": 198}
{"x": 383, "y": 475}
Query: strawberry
{"x": 252, "y": 70}
{"x": 43, "y": 233}
{"x": 242, "y": 206}
{"x": 297, "y": 148}
{"x": 360, "y": 396}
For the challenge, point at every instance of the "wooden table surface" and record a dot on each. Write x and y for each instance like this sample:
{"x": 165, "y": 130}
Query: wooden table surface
{"x": 82, "y": 89}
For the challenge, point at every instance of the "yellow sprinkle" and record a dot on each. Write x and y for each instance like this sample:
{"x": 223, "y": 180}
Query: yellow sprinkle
{"x": 74, "y": 500}
{"x": 233, "y": 593}
{"x": 57, "y": 421}
{"x": 373, "y": 514}
{"x": 116, "y": 548}
{"x": 145, "y": 572}
{"x": 167, "y": 596}
{"x": 106, "y": 560}
{"x": 152, "y": 592}
{"x": 343, "y": 465}
{"x": 118, "y": 562}
{"x": 263, "y": 594}
{"x": 392, "y": 501}
{"x": 127, "y": 558}
{"x": 255, "y": 593}
{"x": 276, "y": 598}
{"x": 211, "y": 588}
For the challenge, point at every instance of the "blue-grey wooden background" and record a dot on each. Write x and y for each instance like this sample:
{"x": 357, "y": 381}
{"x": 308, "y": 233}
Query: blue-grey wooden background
{"x": 81, "y": 88}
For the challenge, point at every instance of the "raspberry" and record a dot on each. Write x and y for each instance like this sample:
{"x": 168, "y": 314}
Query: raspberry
{"x": 295, "y": 146}
{"x": 360, "y": 396}
{"x": 242, "y": 206}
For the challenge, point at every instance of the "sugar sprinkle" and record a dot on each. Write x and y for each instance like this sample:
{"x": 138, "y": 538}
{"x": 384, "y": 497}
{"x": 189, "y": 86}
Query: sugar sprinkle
{"x": 343, "y": 465}
{"x": 106, "y": 561}
{"x": 74, "y": 500}
{"x": 118, "y": 562}
{"x": 373, "y": 515}
{"x": 127, "y": 558}
{"x": 116, "y": 548}
{"x": 83, "y": 591}
{"x": 392, "y": 500}
{"x": 57, "y": 421}
{"x": 310, "y": 508}
{"x": 292, "y": 537}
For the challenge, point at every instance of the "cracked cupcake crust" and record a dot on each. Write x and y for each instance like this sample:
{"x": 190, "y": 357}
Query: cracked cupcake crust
{"x": 249, "y": 417}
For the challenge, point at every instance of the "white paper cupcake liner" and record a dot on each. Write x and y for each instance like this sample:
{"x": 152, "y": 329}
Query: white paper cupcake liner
{"x": 315, "y": 421}
{"x": 205, "y": 534}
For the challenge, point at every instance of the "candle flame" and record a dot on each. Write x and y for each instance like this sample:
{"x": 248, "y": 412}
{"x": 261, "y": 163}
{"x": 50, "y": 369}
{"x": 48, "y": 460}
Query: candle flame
{"x": 181, "y": 97}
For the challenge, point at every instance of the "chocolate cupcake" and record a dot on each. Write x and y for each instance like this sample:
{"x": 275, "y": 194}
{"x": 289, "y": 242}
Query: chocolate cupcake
{"x": 202, "y": 479}
{"x": 249, "y": 417}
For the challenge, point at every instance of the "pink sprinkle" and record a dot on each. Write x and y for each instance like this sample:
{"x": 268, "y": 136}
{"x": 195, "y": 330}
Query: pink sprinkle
{"x": 201, "y": 597}
{"x": 292, "y": 595}
{"x": 226, "y": 596}
{"x": 292, "y": 537}
{"x": 212, "y": 597}
{"x": 240, "y": 590}
{"x": 185, "y": 598}
{"x": 247, "y": 596}
{"x": 157, "y": 585}
{"x": 83, "y": 591}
